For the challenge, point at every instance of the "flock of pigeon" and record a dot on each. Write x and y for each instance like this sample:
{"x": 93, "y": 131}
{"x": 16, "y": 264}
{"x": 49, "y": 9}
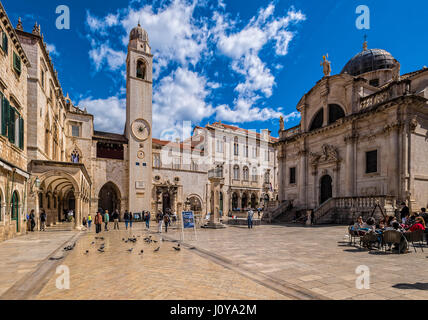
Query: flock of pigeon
{"x": 147, "y": 240}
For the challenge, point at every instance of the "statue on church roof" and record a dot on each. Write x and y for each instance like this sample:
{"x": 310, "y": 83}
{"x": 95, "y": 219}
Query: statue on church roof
{"x": 326, "y": 66}
{"x": 281, "y": 123}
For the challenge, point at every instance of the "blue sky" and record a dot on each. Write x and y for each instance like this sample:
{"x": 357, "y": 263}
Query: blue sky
{"x": 242, "y": 62}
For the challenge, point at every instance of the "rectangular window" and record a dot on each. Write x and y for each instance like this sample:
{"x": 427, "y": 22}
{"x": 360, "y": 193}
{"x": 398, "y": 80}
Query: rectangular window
{"x": 254, "y": 152}
{"x": 4, "y": 116}
{"x": 17, "y": 63}
{"x": 21, "y": 133}
{"x": 236, "y": 149}
{"x": 292, "y": 175}
{"x": 246, "y": 151}
{"x": 371, "y": 162}
{"x": 75, "y": 131}
{"x": 219, "y": 146}
{"x": 42, "y": 78}
{"x": 156, "y": 161}
{"x": 11, "y": 125}
{"x": 176, "y": 164}
{"x": 4, "y": 42}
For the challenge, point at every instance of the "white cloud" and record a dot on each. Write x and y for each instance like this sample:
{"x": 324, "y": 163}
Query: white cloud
{"x": 109, "y": 114}
{"x": 52, "y": 50}
{"x": 180, "y": 97}
{"x": 104, "y": 54}
{"x": 184, "y": 45}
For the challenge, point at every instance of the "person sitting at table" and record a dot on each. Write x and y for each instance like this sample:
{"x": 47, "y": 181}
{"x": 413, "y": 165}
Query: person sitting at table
{"x": 418, "y": 225}
{"x": 359, "y": 224}
{"x": 390, "y": 221}
{"x": 369, "y": 225}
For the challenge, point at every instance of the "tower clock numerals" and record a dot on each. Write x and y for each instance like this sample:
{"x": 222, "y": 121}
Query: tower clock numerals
{"x": 141, "y": 129}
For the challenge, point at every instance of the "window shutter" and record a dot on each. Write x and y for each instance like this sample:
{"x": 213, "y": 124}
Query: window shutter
{"x": 17, "y": 63}
{"x": 5, "y": 43}
{"x": 11, "y": 127}
{"x": 21, "y": 133}
{"x": 4, "y": 116}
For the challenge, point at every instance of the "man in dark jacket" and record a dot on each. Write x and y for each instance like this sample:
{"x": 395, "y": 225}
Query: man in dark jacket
{"x": 43, "y": 219}
{"x": 116, "y": 219}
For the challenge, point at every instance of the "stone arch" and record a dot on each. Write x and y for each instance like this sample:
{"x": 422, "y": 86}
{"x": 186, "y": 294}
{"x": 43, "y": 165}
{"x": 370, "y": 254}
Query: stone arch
{"x": 15, "y": 208}
{"x": 244, "y": 201}
{"x": 335, "y": 112}
{"x": 109, "y": 197}
{"x": 197, "y": 200}
{"x": 141, "y": 69}
{"x": 326, "y": 188}
{"x": 235, "y": 201}
{"x": 317, "y": 120}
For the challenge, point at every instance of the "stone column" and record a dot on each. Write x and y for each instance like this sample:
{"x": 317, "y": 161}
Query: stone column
{"x": 349, "y": 166}
{"x": 304, "y": 201}
{"x": 282, "y": 172}
{"x": 214, "y": 223}
{"x": 78, "y": 211}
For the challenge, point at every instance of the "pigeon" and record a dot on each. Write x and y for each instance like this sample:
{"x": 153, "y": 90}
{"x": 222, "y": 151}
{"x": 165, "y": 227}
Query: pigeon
{"x": 142, "y": 251}
{"x": 157, "y": 249}
{"x": 93, "y": 242}
{"x": 177, "y": 248}
{"x": 71, "y": 247}
{"x": 154, "y": 241}
{"x": 101, "y": 250}
{"x": 130, "y": 250}
{"x": 87, "y": 251}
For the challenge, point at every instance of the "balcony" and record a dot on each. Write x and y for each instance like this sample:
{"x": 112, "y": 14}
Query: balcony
{"x": 215, "y": 173}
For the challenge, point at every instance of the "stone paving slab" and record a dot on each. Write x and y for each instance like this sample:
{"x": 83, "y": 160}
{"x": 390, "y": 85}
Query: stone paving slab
{"x": 21, "y": 256}
{"x": 318, "y": 259}
{"x": 167, "y": 274}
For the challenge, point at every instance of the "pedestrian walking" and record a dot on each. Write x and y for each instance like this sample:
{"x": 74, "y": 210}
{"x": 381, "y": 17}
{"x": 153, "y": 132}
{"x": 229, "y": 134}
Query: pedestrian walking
{"x": 89, "y": 221}
{"x": 43, "y": 219}
{"x": 131, "y": 218}
{"x": 106, "y": 220}
{"x": 147, "y": 217}
{"x": 98, "y": 222}
{"x": 250, "y": 216}
{"x": 126, "y": 218}
{"x": 159, "y": 220}
{"x": 166, "y": 221}
{"x": 116, "y": 219}
{"x": 84, "y": 222}
{"x": 32, "y": 220}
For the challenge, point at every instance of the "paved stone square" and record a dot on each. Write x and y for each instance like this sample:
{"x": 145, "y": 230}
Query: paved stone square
{"x": 267, "y": 262}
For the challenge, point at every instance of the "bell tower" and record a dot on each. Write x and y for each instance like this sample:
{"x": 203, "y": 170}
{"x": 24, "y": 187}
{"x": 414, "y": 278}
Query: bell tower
{"x": 138, "y": 127}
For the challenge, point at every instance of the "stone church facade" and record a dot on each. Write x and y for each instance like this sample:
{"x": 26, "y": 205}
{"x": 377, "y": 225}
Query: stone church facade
{"x": 362, "y": 140}
{"x": 52, "y": 158}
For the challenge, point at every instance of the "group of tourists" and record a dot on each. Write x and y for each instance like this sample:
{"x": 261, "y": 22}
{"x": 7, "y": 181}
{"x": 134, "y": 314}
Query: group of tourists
{"x": 409, "y": 223}
{"x": 165, "y": 219}
{"x": 31, "y": 218}
{"x": 106, "y": 217}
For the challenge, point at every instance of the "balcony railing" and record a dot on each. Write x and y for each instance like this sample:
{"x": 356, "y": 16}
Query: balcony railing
{"x": 389, "y": 93}
{"x": 215, "y": 173}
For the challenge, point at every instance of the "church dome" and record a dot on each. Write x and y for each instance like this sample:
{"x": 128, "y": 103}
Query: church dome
{"x": 139, "y": 33}
{"x": 369, "y": 60}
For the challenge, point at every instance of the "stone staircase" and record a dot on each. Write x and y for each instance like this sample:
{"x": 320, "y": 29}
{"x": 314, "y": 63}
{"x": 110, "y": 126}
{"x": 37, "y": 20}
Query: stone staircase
{"x": 274, "y": 212}
{"x": 344, "y": 210}
{"x": 61, "y": 226}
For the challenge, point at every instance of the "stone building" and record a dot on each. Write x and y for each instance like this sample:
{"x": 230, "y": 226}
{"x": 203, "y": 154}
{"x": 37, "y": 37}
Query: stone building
{"x": 362, "y": 140}
{"x": 14, "y": 66}
{"x": 57, "y": 162}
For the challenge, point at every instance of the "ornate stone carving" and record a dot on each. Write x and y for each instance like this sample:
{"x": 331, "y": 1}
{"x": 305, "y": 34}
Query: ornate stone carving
{"x": 328, "y": 153}
{"x": 413, "y": 123}
{"x": 281, "y": 123}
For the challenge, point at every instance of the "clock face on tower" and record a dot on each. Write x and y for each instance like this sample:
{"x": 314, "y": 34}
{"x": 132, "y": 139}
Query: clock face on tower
{"x": 141, "y": 129}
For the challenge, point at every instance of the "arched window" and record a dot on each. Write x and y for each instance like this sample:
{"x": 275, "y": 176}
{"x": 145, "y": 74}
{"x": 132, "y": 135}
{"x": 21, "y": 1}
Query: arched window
{"x": 141, "y": 69}
{"x": 195, "y": 204}
{"x": 254, "y": 174}
{"x": 335, "y": 112}
{"x": 246, "y": 175}
{"x": 236, "y": 147}
{"x": 267, "y": 176}
{"x": 236, "y": 172}
{"x": 317, "y": 120}
{"x": 75, "y": 156}
{"x": 234, "y": 201}
{"x": 244, "y": 202}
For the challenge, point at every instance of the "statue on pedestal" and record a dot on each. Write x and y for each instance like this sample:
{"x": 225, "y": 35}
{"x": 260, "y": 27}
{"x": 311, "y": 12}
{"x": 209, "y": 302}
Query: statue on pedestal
{"x": 326, "y": 66}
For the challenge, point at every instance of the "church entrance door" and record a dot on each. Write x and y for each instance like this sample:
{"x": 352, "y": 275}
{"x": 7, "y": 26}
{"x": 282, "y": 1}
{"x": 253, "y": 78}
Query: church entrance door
{"x": 166, "y": 202}
{"x": 326, "y": 189}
